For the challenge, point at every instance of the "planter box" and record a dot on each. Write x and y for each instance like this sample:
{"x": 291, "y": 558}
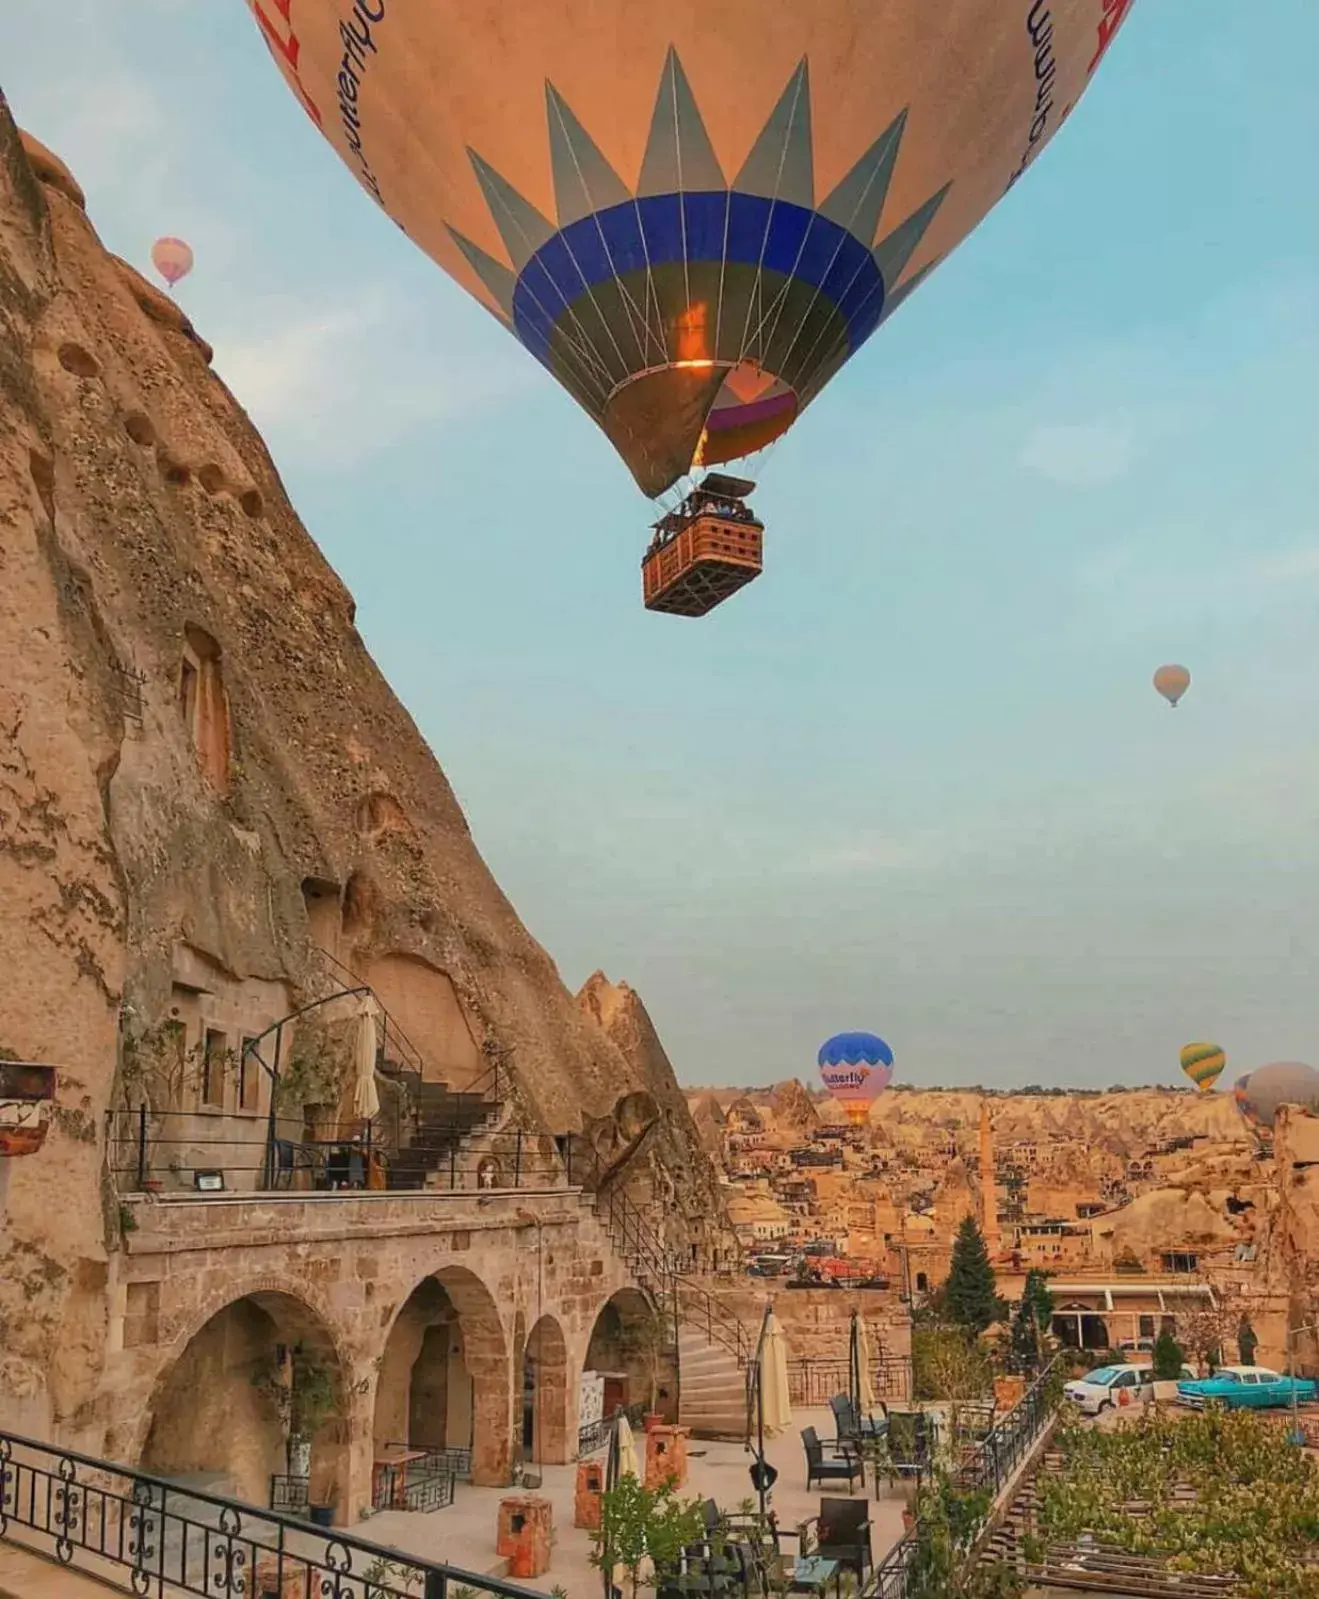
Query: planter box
{"x": 1165, "y": 1392}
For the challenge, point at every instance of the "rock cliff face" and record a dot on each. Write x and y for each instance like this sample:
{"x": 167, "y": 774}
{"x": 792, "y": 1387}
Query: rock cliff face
{"x": 204, "y": 780}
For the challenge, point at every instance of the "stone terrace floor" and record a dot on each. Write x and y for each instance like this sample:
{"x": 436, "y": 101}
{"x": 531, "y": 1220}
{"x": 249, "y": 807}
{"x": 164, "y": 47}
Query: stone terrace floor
{"x": 464, "y": 1533}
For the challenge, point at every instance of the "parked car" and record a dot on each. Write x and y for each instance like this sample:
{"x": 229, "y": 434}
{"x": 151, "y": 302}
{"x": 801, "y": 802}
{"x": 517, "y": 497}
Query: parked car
{"x": 1245, "y": 1387}
{"x": 1109, "y": 1386}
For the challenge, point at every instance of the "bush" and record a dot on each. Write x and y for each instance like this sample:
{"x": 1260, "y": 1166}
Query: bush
{"x": 1169, "y": 1358}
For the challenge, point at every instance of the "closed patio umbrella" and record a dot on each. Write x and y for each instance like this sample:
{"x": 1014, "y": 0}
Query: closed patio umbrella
{"x": 865, "y": 1387}
{"x": 777, "y": 1411}
{"x": 366, "y": 1101}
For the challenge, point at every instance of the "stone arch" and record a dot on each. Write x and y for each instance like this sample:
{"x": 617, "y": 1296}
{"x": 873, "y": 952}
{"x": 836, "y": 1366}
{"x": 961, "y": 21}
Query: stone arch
{"x": 444, "y": 1373}
{"x": 211, "y": 1418}
{"x": 627, "y": 1347}
{"x": 546, "y": 1396}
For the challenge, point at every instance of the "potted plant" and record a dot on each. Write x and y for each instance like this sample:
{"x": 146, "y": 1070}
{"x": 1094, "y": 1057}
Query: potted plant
{"x": 301, "y": 1389}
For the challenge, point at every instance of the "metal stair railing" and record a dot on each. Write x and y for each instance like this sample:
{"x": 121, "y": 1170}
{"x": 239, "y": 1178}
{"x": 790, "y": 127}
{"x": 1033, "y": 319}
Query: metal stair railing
{"x": 692, "y": 1304}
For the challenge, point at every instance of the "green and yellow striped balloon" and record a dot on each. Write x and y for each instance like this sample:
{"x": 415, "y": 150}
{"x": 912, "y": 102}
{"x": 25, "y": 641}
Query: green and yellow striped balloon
{"x": 1203, "y": 1064}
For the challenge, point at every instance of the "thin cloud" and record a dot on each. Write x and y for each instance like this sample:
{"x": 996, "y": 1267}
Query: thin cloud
{"x": 345, "y": 382}
{"x": 1080, "y": 455}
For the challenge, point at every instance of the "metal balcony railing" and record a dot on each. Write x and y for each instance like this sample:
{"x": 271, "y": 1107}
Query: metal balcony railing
{"x": 141, "y": 1535}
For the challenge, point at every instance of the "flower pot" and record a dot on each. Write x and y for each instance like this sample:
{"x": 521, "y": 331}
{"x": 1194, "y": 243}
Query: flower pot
{"x": 299, "y": 1457}
{"x": 1164, "y": 1392}
{"x": 321, "y": 1515}
{"x": 653, "y": 1419}
{"x": 22, "y": 1140}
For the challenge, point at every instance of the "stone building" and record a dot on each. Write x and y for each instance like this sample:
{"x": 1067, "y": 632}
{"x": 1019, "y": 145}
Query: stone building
{"x": 225, "y": 853}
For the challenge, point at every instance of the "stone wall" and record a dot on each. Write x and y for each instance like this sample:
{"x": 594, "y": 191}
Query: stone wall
{"x": 364, "y": 1280}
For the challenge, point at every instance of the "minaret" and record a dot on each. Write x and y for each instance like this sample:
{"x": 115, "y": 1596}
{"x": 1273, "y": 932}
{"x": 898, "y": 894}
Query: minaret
{"x": 988, "y": 1199}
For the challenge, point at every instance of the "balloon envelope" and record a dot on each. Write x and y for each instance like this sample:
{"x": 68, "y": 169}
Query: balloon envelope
{"x": 692, "y": 219}
{"x": 172, "y": 258}
{"x": 1287, "y": 1082}
{"x": 1203, "y": 1064}
{"x": 1172, "y": 682}
{"x": 856, "y": 1069}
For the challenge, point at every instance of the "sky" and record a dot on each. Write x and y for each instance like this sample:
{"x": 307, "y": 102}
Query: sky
{"x": 915, "y": 779}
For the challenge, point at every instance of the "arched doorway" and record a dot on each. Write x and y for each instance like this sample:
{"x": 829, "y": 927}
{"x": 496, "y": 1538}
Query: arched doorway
{"x": 444, "y": 1374}
{"x": 1079, "y": 1327}
{"x": 545, "y": 1396}
{"x": 629, "y": 1354}
{"x": 227, "y": 1414}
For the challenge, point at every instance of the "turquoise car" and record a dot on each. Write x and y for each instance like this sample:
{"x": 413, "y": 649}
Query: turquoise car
{"x": 1245, "y": 1388}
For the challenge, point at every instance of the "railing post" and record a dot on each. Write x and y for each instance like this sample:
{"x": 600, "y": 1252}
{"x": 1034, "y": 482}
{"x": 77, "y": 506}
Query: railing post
{"x": 567, "y": 1160}
{"x": 453, "y": 1167}
{"x": 142, "y": 1145}
{"x": 517, "y": 1162}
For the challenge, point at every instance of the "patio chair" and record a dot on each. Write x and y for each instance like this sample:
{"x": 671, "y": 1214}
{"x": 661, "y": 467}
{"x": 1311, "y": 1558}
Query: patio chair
{"x": 823, "y": 1468}
{"x": 842, "y": 1533}
{"x": 852, "y": 1427}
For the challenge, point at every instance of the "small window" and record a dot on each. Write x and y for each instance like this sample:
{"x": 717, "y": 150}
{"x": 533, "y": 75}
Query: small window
{"x": 213, "y": 1069}
{"x": 188, "y": 693}
{"x": 1147, "y": 1326}
{"x": 249, "y": 1078}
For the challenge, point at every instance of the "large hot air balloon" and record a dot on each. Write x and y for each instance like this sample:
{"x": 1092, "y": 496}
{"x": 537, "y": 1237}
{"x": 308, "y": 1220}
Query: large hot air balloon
{"x": 1172, "y": 682}
{"x": 1260, "y": 1095}
{"x": 856, "y": 1069}
{"x": 691, "y": 217}
{"x": 1203, "y": 1064}
{"x": 172, "y": 258}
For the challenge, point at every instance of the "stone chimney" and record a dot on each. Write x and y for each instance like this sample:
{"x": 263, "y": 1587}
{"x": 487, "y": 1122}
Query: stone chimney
{"x": 988, "y": 1200}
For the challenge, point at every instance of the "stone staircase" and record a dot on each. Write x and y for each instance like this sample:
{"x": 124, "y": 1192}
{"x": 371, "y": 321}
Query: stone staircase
{"x": 440, "y": 1122}
{"x": 713, "y": 1351}
{"x": 712, "y": 1394}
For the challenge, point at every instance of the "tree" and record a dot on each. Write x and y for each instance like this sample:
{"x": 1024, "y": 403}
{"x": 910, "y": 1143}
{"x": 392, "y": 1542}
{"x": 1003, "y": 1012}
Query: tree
{"x": 1169, "y": 1357}
{"x": 970, "y": 1294}
{"x": 1034, "y": 1317}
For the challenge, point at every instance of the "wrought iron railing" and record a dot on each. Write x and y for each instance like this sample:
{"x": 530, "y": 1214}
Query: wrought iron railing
{"x": 166, "y": 1150}
{"x": 992, "y": 1462}
{"x": 291, "y": 1496}
{"x": 141, "y": 1535}
{"x": 814, "y": 1380}
{"x": 593, "y": 1437}
{"x": 425, "y": 1483}
{"x": 989, "y": 1466}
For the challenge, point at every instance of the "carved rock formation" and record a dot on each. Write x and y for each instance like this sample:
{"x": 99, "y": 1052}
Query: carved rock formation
{"x": 200, "y": 764}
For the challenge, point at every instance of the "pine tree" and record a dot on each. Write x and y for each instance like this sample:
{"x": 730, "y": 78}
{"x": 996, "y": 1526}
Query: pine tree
{"x": 1169, "y": 1357}
{"x": 1033, "y": 1319}
{"x": 970, "y": 1293}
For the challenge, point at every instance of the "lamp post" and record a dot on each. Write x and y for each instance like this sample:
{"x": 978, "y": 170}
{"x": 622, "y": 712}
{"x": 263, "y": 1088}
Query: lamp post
{"x": 1293, "y": 1334}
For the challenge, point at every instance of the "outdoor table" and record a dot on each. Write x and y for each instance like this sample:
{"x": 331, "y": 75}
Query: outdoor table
{"x": 387, "y": 1462}
{"x": 813, "y": 1574}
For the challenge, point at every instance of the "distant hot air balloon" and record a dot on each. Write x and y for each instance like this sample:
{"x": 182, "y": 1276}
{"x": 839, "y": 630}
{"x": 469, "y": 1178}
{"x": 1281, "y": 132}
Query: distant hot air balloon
{"x": 856, "y": 1069}
{"x": 1260, "y": 1096}
{"x": 172, "y": 258}
{"x": 1203, "y": 1064}
{"x": 1172, "y": 682}
{"x": 692, "y": 220}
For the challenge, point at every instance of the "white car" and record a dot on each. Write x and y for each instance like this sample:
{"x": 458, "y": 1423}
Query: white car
{"x": 1110, "y": 1386}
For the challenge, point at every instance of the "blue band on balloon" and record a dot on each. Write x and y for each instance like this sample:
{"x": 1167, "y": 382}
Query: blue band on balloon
{"x": 850, "y": 1049}
{"x": 709, "y": 227}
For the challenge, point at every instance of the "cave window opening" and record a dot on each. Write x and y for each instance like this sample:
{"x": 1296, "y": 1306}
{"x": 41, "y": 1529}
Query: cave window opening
{"x": 213, "y": 1049}
{"x": 204, "y": 705}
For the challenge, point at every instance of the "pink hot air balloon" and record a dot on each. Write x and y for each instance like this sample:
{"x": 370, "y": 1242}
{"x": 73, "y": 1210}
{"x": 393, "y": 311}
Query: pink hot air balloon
{"x": 172, "y": 258}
